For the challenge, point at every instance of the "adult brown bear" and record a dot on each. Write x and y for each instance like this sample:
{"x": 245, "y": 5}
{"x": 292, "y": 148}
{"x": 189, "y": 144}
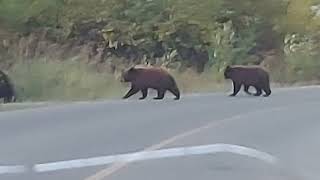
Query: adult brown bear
{"x": 143, "y": 78}
{"x": 248, "y": 76}
{"x": 6, "y": 89}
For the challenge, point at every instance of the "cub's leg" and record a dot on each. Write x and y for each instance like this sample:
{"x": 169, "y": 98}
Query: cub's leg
{"x": 267, "y": 91}
{"x": 131, "y": 92}
{"x": 144, "y": 93}
{"x": 236, "y": 88}
{"x": 176, "y": 92}
{"x": 161, "y": 93}
{"x": 246, "y": 89}
{"x": 259, "y": 91}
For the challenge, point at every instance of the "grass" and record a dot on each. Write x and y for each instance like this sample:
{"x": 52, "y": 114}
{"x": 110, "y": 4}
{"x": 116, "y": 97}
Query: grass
{"x": 52, "y": 80}
{"x": 21, "y": 106}
{"x": 49, "y": 80}
{"x": 43, "y": 80}
{"x": 191, "y": 82}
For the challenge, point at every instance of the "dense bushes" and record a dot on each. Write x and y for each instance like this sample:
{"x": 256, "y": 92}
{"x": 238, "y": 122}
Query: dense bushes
{"x": 202, "y": 33}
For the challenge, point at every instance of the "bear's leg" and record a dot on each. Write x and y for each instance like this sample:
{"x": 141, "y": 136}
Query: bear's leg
{"x": 246, "y": 89}
{"x": 131, "y": 92}
{"x": 5, "y": 100}
{"x": 236, "y": 88}
{"x": 175, "y": 91}
{"x": 144, "y": 93}
{"x": 259, "y": 91}
{"x": 267, "y": 91}
{"x": 161, "y": 93}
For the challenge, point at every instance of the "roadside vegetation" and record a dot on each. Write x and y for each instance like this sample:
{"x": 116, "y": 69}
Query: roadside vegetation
{"x": 42, "y": 80}
{"x": 76, "y": 49}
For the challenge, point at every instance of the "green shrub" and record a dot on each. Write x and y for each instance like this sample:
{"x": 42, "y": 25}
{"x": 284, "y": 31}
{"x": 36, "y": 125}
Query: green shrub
{"x": 302, "y": 67}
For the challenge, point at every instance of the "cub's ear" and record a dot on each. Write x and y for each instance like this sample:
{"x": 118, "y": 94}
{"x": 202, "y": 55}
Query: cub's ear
{"x": 228, "y": 67}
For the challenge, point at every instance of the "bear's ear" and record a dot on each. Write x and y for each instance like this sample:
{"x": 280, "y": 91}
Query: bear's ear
{"x": 228, "y": 67}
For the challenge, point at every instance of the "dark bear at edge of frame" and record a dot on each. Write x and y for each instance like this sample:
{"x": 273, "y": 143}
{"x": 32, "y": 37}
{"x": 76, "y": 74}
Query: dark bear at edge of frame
{"x": 7, "y": 91}
{"x": 248, "y": 76}
{"x": 144, "y": 78}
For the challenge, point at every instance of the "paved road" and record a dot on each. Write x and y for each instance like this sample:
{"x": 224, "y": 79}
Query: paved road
{"x": 285, "y": 125}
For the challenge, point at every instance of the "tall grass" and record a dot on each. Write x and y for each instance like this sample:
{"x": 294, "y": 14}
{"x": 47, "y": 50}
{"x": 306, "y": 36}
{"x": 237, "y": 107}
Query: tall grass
{"x": 209, "y": 81}
{"x": 50, "y": 80}
{"x": 303, "y": 67}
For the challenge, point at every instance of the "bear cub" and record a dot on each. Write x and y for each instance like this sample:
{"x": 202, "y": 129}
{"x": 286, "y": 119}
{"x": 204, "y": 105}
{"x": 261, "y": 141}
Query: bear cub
{"x": 248, "y": 76}
{"x": 7, "y": 92}
{"x": 143, "y": 78}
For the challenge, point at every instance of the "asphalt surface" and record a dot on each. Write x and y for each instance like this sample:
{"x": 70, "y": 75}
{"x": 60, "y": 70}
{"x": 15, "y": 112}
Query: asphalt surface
{"x": 286, "y": 125}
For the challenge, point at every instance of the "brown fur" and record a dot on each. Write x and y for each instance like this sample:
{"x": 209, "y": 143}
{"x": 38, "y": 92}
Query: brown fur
{"x": 248, "y": 76}
{"x": 143, "y": 79}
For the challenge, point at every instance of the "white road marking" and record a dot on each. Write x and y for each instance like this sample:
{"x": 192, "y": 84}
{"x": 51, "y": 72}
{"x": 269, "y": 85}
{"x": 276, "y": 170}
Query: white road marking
{"x": 157, "y": 154}
{"x": 118, "y": 166}
{"x": 142, "y": 156}
{"x": 12, "y": 169}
